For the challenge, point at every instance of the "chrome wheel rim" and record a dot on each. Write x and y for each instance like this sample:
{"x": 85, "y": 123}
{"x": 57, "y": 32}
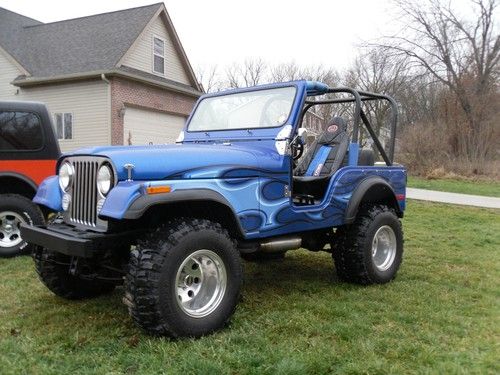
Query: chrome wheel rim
{"x": 200, "y": 283}
{"x": 10, "y": 232}
{"x": 384, "y": 247}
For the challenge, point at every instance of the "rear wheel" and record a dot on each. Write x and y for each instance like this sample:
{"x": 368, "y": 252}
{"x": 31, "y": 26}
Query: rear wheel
{"x": 14, "y": 211}
{"x": 370, "y": 250}
{"x": 184, "y": 279}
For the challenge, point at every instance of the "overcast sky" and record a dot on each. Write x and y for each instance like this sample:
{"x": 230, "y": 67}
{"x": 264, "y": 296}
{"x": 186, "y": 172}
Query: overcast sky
{"x": 225, "y": 31}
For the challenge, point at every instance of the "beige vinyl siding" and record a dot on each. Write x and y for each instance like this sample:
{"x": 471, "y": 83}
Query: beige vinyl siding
{"x": 142, "y": 127}
{"x": 89, "y": 104}
{"x": 140, "y": 56}
{"x": 8, "y": 72}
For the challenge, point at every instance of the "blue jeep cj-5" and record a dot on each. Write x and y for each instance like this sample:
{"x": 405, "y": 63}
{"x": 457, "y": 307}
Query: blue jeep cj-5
{"x": 173, "y": 221}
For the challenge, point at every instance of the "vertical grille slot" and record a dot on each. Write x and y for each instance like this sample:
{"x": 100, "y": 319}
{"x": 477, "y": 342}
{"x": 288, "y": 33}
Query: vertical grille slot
{"x": 84, "y": 193}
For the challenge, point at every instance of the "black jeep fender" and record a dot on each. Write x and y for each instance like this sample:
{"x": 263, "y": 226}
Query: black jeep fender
{"x": 16, "y": 183}
{"x": 371, "y": 189}
{"x": 142, "y": 204}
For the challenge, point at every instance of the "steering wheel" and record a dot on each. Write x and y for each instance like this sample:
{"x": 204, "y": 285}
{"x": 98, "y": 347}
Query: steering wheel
{"x": 270, "y": 119}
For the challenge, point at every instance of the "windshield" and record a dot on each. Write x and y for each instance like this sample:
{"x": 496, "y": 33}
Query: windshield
{"x": 246, "y": 110}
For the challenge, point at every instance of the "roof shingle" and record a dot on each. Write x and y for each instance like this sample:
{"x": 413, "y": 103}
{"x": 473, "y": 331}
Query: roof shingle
{"x": 72, "y": 46}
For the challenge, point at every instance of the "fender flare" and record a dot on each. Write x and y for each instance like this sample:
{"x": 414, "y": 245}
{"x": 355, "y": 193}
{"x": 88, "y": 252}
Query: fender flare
{"x": 381, "y": 185}
{"x": 144, "y": 202}
{"x": 21, "y": 177}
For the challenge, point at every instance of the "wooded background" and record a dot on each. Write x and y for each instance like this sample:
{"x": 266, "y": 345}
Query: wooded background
{"x": 442, "y": 68}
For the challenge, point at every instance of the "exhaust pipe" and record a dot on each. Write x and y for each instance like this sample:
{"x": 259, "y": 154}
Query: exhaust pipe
{"x": 280, "y": 244}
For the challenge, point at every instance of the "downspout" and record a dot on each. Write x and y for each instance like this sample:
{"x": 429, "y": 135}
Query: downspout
{"x": 103, "y": 77}
{"x": 109, "y": 104}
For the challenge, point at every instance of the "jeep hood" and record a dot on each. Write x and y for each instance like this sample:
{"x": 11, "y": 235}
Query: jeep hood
{"x": 191, "y": 160}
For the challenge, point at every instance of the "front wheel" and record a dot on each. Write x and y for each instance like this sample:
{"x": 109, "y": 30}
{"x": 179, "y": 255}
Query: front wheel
{"x": 370, "y": 250}
{"x": 184, "y": 279}
{"x": 54, "y": 271}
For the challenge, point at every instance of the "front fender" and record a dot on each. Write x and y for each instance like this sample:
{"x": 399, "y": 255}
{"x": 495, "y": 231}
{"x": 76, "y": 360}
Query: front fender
{"x": 120, "y": 198}
{"x": 141, "y": 204}
{"x": 49, "y": 194}
{"x": 129, "y": 200}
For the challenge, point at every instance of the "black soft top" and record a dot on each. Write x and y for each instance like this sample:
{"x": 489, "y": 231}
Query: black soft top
{"x": 50, "y": 149}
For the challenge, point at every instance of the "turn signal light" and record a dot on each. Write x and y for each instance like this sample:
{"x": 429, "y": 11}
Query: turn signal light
{"x": 158, "y": 189}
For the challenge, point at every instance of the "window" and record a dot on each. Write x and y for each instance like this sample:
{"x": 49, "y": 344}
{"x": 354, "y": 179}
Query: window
{"x": 64, "y": 125}
{"x": 20, "y": 131}
{"x": 244, "y": 110}
{"x": 158, "y": 55}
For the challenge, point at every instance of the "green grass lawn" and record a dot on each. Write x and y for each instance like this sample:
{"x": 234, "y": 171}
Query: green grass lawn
{"x": 440, "y": 316}
{"x": 490, "y": 189}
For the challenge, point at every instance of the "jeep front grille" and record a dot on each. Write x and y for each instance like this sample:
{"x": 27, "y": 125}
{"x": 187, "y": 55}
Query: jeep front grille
{"x": 84, "y": 201}
{"x": 82, "y": 211}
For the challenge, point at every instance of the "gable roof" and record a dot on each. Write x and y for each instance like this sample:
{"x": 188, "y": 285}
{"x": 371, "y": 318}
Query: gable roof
{"x": 11, "y": 32}
{"x": 80, "y": 45}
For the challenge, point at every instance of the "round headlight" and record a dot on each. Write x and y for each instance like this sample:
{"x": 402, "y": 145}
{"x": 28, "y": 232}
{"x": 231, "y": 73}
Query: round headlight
{"x": 104, "y": 179}
{"x": 66, "y": 173}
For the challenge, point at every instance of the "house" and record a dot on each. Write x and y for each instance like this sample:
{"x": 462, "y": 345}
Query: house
{"x": 109, "y": 79}
{"x": 313, "y": 122}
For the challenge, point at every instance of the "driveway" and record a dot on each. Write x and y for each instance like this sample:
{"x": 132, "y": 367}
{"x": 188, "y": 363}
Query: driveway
{"x": 454, "y": 198}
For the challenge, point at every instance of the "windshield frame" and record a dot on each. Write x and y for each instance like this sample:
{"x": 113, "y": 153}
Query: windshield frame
{"x": 238, "y": 92}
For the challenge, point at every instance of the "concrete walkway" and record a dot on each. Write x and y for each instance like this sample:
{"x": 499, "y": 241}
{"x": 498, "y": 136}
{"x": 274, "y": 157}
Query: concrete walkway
{"x": 454, "y": 198}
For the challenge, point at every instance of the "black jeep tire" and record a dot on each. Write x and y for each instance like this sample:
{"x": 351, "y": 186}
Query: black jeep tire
{"x": 53, "y": 271}
{"x": 16, "y": 209}
{"x": 356, "y": 260}
{"x": 162, "y": 271}
{"x": 263, "y": 257}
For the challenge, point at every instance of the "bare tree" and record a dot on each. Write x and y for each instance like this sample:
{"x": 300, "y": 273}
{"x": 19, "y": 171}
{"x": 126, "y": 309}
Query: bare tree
{"x": 233, "y": 79}
{"x": 208, "y": 77}
{"x": 253, "y": 71}
{"x": 284, "y": 72}
{"x": 249, "y": 73}
{"x": 376, "y": 72}
{"x": 291, "y": 71}
{"x": 462, "y": 55}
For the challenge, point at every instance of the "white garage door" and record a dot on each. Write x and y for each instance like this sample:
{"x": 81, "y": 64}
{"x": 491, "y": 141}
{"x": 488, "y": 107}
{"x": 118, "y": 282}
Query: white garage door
{"x": 142, "y": 127}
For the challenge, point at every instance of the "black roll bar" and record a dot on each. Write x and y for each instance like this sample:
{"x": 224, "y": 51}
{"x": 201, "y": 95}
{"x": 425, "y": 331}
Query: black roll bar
{"x": 359, "y": 114}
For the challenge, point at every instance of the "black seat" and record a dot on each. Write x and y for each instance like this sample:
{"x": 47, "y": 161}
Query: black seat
{"x": 322, "y": 159}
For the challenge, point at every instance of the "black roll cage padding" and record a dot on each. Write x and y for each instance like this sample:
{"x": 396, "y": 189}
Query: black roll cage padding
{"x": 359, "y": 114}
